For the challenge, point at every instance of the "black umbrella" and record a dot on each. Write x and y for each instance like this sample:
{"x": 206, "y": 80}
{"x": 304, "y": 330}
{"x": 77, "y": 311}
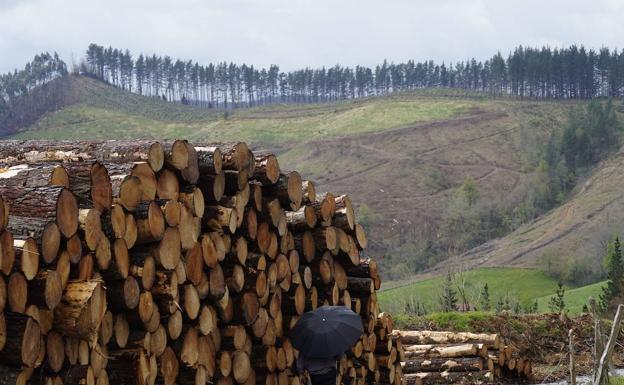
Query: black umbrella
{"x": 326, "y": 332}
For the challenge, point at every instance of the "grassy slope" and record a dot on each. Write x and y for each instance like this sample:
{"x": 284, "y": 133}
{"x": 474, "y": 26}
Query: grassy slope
{"x": 527, "y": 285}
{"x": 105, "y": 112}
{"x": 523, "y": 284}
{"x": 574, "y": 298}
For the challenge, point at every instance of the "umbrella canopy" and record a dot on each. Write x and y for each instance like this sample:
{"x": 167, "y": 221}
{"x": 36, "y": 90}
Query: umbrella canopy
{"x": 326, "y": 332}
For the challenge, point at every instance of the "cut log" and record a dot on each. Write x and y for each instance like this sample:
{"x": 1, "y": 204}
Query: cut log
{"x": 23, "y": 340}
{"x": 235, "y": 181}
{"x": 193, "y": 200}
{"x": 218, "y": 287}
{"x": 81, "y": 309}
{"x": 309, "y": 192}
{"x": 212, "y": 187}
{"x": 128, "y": 367}
{"x": 344, "y": 216}
{"x": 305, "y": 243}
{"x": 234, "y": 277}
{"x": 366, "y": 269}
{"x": 144, "y": 172}
{"x": 360, "y": 236}
{"x": 46, "y": 289}
{"x": 433, "y": 337}
{"x": 126, "y": 188}
{"x": 150, "y": 222}
{"x": 188, "y": 229}
{"x": 325, "y": 238}
{"x": 17, "y": 292}
{"x": 168, "y": 186}
{"x": 27, "y": 257}
{"x": 218, "y": 218}
{"x": 247, "y": 308}
{"x": 267, "y": 170}
{"x": 236, "y": 157}
{"x": 46, "y": 204}
{"x": 460, "y": 364}
{"x": 288, "y": 189}
{"x": 182, "y": 157}
{"x": 446, "y": 351}
{"x": 7, "y": 251}
{"x": 322, "y": 268}
{"x": 325, "y": 208}
{"x": 294, "y": 302}
{"x": 241, "y": 366}
{"x": 360, "y": 285}
{"x": 168, "y": 251}
{"x": 447, "y": 377}
{"x": 302, "y": 219}
{"x": 209, "y": 160}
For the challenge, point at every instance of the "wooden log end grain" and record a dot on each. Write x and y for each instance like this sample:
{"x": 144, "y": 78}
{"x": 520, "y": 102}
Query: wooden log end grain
{"x": 23, "y": 340}
{"x": 101, "y": 190}
{"x": 67, "y": 213}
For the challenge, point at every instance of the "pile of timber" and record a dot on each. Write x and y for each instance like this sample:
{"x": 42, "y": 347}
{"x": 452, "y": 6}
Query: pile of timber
{"x": 174, "y": 263}
{"x": 433, "y": 357}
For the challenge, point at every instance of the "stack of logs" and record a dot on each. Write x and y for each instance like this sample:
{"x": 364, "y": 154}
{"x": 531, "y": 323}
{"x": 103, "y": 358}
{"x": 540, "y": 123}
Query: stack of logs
{"x": 432, "y": 357}
{"x": 170, "y": 263}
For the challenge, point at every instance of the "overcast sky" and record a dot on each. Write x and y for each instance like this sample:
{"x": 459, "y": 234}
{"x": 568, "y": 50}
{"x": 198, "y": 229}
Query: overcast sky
{"x": 297, "y": 33}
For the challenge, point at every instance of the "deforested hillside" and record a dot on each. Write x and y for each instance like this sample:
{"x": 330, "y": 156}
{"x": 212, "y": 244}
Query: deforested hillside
{"x": 433, "y": 189}
{"x": 570, "y": 237}
{"x": 410, "y": 159}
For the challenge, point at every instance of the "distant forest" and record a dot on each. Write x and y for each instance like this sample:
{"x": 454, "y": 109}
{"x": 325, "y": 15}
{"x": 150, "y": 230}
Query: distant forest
{"x": 41, "y": 70}
{"x": 544, "y": 73}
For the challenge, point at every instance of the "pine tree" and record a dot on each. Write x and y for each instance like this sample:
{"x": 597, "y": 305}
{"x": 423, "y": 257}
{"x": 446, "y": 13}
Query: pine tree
{"x": 499, "y": 305}
{"x": 485, "y": 298}
{"x": 556, "y": 304}
{"x": 448, "y": 298}
{"x": 572, "y": 72}
{"x": 507, "y": 304}
{"x": 615, "y": 274}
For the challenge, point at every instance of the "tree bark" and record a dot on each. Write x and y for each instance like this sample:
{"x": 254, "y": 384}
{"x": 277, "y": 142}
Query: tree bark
{"x": 81, "y": 309}
{"x": 46, "y": 204}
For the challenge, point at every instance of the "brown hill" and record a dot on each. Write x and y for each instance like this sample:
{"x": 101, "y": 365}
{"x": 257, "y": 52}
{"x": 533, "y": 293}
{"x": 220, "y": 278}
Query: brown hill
{"x": 409, "y": 175}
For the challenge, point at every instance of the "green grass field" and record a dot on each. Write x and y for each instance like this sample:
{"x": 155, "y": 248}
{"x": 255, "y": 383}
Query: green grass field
{"x": 574, "y": 298}
{"x": 95, "y": 122}
{"x": 524, "y": 285}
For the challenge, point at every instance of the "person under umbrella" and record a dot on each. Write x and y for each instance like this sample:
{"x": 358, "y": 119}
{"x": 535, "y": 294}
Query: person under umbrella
{"x": 322, "y": 336}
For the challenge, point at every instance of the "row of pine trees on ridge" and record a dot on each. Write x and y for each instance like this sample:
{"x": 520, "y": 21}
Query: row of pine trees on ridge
{"x": 565, "y": 73}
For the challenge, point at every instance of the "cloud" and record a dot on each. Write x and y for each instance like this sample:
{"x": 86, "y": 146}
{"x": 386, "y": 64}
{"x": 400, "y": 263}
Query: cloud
{"x": 299, "y": 33}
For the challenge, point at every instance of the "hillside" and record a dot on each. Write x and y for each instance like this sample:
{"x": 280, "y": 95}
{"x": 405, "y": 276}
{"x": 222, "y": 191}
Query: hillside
{"x": 572, "y": 236}
{"x": 402, "y": 156}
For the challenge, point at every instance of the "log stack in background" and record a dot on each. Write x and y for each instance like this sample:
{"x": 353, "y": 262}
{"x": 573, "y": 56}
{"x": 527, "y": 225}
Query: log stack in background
{"x": 432, "y": 357}
{"x": 174, "y": 263}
